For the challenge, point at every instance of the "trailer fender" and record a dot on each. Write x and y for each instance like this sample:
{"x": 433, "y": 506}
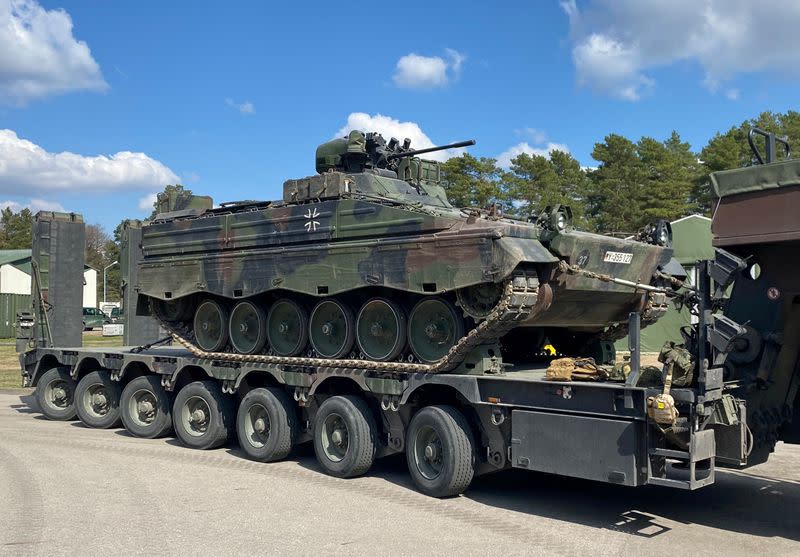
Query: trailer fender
{"x": 271, "y": 374}
{"x": 47, "y": 363}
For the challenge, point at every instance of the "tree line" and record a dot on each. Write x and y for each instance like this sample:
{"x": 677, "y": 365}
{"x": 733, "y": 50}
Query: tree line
{"x": 633, "y": 184}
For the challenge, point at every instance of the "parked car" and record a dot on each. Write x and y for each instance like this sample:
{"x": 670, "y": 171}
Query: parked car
{"x": 117, "y": 316}
{"x": 93, "y": 317}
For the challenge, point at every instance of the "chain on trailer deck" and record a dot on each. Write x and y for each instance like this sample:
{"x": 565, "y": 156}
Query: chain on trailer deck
{"x": 516, "y": 304}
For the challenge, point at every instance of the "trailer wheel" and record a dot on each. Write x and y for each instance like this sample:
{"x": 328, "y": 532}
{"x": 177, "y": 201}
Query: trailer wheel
{"x": 145, "y": 408}
{"x": 55, "y": 394}
{"x": 97, "y": 400}
{"x": 440, "y": 450}
{"x": 266, "y": 424}
{"x": 202, "y": 415}
{"x": 345, "y": 436}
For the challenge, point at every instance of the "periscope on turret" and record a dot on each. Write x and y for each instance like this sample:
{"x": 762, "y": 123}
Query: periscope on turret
{"x": 369, "y": 260}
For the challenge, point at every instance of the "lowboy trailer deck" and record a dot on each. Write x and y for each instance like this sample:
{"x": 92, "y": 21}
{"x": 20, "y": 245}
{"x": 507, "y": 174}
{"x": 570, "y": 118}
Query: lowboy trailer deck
{"x": 450, "y": 426}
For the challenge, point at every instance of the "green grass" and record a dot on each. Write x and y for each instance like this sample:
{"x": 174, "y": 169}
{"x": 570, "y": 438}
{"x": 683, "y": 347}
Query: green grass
{"x": 9, "y": 359}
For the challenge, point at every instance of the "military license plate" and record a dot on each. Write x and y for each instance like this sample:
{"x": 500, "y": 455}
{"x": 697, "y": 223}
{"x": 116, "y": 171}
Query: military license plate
{"x": 618, "y": 257}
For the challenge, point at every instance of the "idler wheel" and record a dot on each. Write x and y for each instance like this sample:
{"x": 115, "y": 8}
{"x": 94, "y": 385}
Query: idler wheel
{"x": 331, "y": 329}
{"x": 381, "y": 329}
{"x": 434, "y": 327}
{"x": 479, "y": 300}
{"x": 287, "y": 328}
{"x": 248, "y": 328}
{"x": 172, "y": 311}
{"x": 211, "y": 326}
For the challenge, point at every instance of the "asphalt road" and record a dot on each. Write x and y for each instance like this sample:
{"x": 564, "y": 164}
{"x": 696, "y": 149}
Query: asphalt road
{"x": 68, "y": 490}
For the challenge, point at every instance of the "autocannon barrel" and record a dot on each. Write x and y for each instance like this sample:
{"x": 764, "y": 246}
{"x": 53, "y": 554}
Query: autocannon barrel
{"x": 415, "y": 152}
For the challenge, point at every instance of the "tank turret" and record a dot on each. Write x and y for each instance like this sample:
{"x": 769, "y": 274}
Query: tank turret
{"x": 361, "y": 151}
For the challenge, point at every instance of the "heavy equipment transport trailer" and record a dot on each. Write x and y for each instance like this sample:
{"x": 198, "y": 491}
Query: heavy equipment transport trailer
{"x": 450, "y": 426}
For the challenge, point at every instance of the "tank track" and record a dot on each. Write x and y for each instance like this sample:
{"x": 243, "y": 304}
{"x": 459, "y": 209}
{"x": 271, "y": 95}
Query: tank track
{"x": 517, "y": 303}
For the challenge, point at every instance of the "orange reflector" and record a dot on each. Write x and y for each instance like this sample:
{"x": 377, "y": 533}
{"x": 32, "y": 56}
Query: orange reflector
{"x": 493, "y": 399}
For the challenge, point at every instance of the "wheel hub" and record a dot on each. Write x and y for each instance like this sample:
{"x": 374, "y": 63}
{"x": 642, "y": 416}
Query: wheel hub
{"x": 431, "y": 452}
{"x": 198, "y": 416}
{"x": 327, "y": 329}
{"x": 338, "y": 436}
{"x": 260, "y": 426}
{"x": 283, "y": 327}
{"x": 376, "y": 330}
{"x": 59, "y": 394}
{"x": 145, "y": 407}
{"x": 433, "y": 332}
{"x": 99, "y": 399}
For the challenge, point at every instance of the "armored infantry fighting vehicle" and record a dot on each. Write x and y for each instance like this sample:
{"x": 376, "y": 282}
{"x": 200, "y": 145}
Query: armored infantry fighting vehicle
{"x": 368, "y": 260}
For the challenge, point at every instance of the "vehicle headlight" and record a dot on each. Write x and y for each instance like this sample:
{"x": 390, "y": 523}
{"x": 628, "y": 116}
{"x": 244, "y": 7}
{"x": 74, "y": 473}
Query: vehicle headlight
{"x": 663, "y": 234}
{"x": 560, "y": 217}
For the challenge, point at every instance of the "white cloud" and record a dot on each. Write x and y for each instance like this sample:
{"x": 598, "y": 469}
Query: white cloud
{"x": 26, "y": 166}
{"x": 610, "y": 67}
{"x": 39, "y": 56}
{"x": 536, "y": 135}
{"x": 617, "y": 42}
{"x": 428, "y": 72}
{"x": 732, "y": 94}
{"x": 35, "y": 205}
{"x": 245, "y": 108}
{"x": 147, "y": 202}
{"x": 389, "y": 127}
{"x": 504, "y": 158}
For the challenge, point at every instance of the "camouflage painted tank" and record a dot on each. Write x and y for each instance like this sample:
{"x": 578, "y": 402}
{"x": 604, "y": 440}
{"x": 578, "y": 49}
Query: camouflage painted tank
{"x": 368, "y": 260}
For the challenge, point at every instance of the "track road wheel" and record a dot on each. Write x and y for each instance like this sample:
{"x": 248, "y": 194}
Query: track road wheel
{"x": 146, "y": 408}
{"x": 55, "y": 394}
{"x": 434, "y": 327}
{"x": 287, "y": 327}
{"x": 331, "y": 329}
{"x": 266, "y": 424}
{"x": 211, "y": 326}
{"x": 248, "y": 328}
{"x": 97, "y": 400}
{"x": 345, "y": 436}
{"x": 202, "y": 416}
{"x": 381, "y": 329}
{"x": 440, "y": 450}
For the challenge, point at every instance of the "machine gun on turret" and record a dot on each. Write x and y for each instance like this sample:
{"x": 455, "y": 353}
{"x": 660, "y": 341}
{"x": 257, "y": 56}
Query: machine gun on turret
{"x": 361, "y": 151}
{"x": 415, "y": 152}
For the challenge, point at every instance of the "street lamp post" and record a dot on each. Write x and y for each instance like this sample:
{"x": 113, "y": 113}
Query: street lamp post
{"x": 105, "y": 269}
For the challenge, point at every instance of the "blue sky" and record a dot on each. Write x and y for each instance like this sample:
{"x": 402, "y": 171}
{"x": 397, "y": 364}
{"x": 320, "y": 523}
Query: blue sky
{"x": 233, "y": 98}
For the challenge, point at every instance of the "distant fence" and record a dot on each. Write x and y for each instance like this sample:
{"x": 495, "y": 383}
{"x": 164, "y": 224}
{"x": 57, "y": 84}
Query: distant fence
{"x": 9, "y": 305}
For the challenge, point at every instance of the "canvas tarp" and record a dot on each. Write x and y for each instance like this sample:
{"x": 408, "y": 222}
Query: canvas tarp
{"x": 756, "y": 178}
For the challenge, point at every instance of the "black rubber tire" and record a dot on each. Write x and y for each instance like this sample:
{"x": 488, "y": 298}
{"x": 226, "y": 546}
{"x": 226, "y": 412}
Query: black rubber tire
{"x": 458, "y": 451}
{"x": 362, "y": 436}
{"x": 283, "y": 424}
{"x": 162, "y": 421}
{"x": 50, "y": 410}
{"x": 113, "y": 389}
{"x": 220, "y": 420}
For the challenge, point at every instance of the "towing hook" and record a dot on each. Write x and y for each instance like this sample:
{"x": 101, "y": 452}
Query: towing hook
{"x": 498, "y": 416}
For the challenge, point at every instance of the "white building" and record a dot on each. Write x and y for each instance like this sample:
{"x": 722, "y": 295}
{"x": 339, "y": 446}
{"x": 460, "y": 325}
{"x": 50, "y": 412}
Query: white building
{"x": 15, "y": 276}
